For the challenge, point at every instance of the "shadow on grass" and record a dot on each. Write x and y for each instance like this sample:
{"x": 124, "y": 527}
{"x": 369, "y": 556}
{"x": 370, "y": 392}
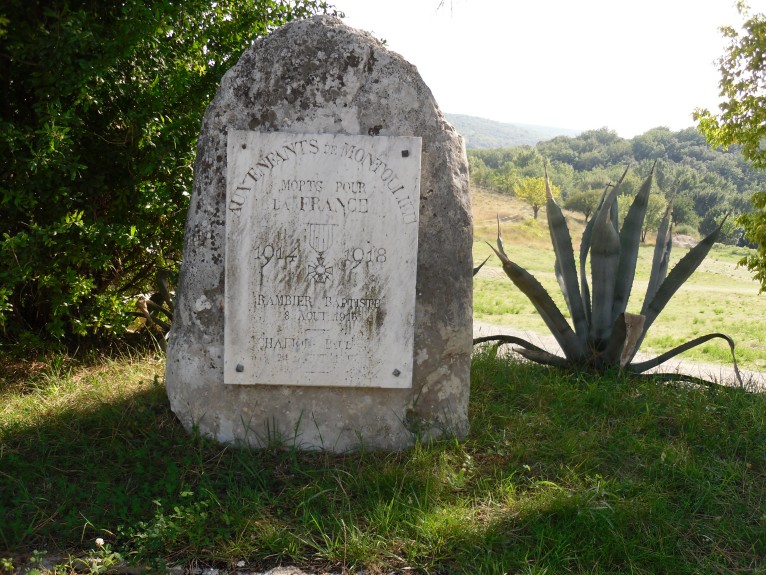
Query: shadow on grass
{"x": 560, "y": 473}
{"x": 81, "y": 469}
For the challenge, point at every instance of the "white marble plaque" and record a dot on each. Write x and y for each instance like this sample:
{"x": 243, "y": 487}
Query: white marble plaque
{"x": 321, "y": 256}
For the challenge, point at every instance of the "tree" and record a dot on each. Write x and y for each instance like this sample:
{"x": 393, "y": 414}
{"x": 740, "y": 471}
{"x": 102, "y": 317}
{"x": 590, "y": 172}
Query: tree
{"x": 478, "y": 170}
{"x": 655, "y": 211}
{"x": 99, "y": 113}
{"x": 683, "y": 212}
{"x": 707, "y": 199}
{"x": 652, "y": 145}
{"x": 731, "y": 233}
{"x": 505, "y": 177}
{"x": 564, "y": 174}
{"x": 742, "y": 119}
{"x": 584, "y": 202}
{"x": 532, "y": 191}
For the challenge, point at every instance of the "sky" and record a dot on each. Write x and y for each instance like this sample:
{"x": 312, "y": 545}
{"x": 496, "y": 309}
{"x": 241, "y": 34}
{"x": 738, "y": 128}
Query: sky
{"x": 579, "y": 64}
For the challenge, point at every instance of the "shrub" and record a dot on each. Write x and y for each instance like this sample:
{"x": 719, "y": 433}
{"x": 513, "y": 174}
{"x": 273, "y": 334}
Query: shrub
{"x": 99, "y": 114}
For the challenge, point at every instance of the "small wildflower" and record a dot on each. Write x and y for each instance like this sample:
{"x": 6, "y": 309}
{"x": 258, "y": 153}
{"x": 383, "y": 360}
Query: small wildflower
{"x": 240, "y": 563}
{"x": 99, "y": 542}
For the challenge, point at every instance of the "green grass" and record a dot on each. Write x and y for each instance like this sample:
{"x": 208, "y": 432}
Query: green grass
{"x": 719, "y": 296}
{"x": 560, "y": 474}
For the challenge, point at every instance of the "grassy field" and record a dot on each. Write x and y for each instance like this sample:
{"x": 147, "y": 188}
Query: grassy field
{"x": 719, "y": 297}
{"x": 560, "y": 474}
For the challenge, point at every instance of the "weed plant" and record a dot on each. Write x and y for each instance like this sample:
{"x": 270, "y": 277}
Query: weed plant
{"x": 560, "y": 474}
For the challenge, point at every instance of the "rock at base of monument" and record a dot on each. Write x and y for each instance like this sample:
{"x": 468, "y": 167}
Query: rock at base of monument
{"x": 322, "y": 303}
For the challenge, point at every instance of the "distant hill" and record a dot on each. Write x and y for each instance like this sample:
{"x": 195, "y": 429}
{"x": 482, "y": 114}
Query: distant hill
{"x": 480, "y": 133}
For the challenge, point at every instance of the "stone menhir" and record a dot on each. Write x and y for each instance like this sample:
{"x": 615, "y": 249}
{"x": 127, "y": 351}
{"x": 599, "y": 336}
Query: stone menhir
{"x": 325, "y": 298}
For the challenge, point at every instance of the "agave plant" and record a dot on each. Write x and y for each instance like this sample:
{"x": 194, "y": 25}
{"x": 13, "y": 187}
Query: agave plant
{"x": 481, "y": 265}
{"x": 603, "y": 336}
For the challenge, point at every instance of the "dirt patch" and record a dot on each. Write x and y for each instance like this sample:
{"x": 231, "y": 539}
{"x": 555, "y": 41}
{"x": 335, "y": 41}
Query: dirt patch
{"x": 684, "y": 241}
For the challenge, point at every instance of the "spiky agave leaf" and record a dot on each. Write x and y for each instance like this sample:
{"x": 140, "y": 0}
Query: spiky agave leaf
{"x": 661, "y": 257}
{"x": 614, "y": 213}
{"x": 604, "y": 259}
{"x": 668, "y": 355}
{"x": 545, "y": 306}
{"x": 585, "y": 244}
{"x": 584, "y": 248}
{"x": 528, "y": 349}
{"x": 499, "y": 237}
{"x": 675, "y": 279}
{"x": 565, "y": 267}
{"x": 481, "y": 265}
{"x": 630, "y": 239}
{"x": 678, "y": 275}
{"x": 544, "y": 358}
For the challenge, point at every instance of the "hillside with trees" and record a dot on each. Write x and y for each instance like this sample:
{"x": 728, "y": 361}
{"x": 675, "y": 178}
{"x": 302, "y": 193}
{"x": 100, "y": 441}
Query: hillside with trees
{"x": 481, "y": 133}
{"x": 706, "y": 184}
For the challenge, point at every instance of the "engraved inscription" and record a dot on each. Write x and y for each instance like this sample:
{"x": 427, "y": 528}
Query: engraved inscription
{"x": 372, "y": 166}
{"x": 321, "y": 258}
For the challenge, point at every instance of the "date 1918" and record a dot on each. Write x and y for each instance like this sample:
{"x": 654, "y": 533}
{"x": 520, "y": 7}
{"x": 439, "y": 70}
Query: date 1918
{"x": 357, "y": 256}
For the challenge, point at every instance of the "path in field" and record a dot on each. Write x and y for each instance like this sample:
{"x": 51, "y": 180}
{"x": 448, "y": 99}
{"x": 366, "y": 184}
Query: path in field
{"x": 724, "y": 374}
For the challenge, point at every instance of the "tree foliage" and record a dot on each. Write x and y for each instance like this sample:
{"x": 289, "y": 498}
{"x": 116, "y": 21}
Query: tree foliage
{"x": 684, "y": 213}
{"x": 99, "y": 112}
{"x": 584, "y": 202}
{"x": 742, "y": 116}
{"x": 706, "y": 183}
{"x": 532, "y": 191}
{"x": 741, "y": 119}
